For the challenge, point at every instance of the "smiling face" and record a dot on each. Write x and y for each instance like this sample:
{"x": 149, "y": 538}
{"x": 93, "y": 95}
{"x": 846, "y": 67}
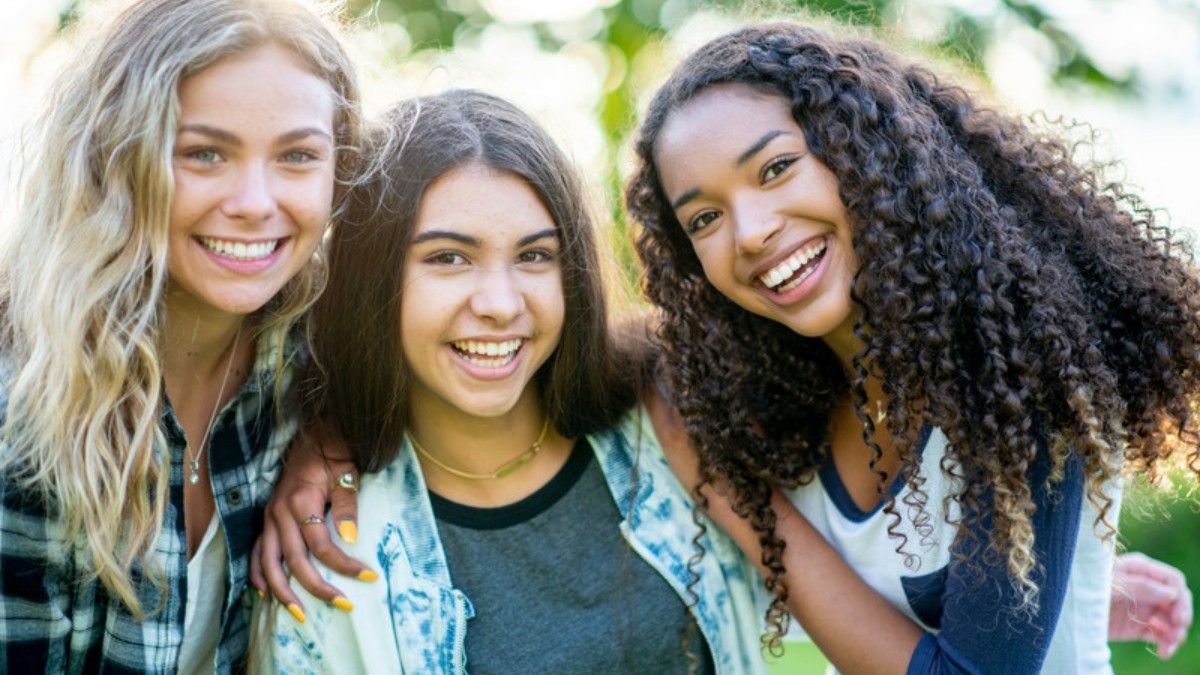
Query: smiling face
{"x": 483, "y": 307}
{"x": 254, "y": 172}
{"x": 763, "y": 214}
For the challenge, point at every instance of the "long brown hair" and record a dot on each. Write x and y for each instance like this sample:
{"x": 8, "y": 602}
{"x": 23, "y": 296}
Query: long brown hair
{"x": 359, "y": 381}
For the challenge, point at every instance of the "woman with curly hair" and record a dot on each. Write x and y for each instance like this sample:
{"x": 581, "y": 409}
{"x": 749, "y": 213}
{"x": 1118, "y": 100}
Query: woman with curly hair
{"x": 937, "y": 331}
{"x": 185, "y": 171}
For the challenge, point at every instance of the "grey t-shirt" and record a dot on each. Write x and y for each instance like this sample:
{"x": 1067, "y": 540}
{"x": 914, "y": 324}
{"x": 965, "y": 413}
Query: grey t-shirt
{"x": 556, "y": 589}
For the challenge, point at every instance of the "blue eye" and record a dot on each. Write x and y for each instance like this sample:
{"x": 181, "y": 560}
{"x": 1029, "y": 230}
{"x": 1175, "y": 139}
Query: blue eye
{"x": 203, "y": 155}
{"x": 299, "y": 156}
{"x": 700, "y": 221}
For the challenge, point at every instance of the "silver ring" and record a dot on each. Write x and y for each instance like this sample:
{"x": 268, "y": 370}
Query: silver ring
{"x": 314, "y": 519}
{"x": 347, "y": 480}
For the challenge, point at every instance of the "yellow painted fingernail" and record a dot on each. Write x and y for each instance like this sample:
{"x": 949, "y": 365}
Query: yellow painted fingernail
{"x": 367, "y": 575}
{"x": 348, "y": 531}
{"x": 296, "y": 612}
{"x": 342, "y": 604}
{"x": 261, "y": 595}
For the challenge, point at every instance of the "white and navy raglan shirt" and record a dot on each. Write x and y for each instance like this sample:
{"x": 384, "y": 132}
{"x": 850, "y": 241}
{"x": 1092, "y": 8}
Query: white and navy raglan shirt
{"x": 960, "y": 593}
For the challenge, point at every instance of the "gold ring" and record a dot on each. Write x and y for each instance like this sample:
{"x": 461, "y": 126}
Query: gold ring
{"x": 314, "y": 519}
{"x": 346, "y": 480}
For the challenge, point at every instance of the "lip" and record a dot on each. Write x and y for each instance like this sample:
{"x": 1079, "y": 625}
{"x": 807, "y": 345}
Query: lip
{"x": 484, "y": 373}
{"x": 773, "y": 261}
{"x": 799, "y": 292}
{"x": 246, "y": 267}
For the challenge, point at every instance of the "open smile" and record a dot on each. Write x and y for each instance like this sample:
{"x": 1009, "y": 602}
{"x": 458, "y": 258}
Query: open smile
{"x": 489, "y": 354}
{"x": 241, "y": 251}
{"x": 797, "y": 268}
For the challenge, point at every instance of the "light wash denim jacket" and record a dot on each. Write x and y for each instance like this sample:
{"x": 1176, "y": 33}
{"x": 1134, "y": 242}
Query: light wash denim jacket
{"x": 412, "y": 620}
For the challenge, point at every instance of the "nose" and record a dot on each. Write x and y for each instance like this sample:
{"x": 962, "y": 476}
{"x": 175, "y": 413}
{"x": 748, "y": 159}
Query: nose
{"x": 754, "y": 230}
{"x": 250, "y": 197}
{"x": 498, "y": 297}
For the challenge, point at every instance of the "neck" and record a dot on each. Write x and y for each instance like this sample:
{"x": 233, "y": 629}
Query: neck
{"x": 845, "y": 344}
{"x": 194, "y": 342}
{"x": 480, "y": 445}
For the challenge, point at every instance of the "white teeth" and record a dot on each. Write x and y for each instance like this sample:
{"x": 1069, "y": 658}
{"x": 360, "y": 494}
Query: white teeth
{"x": 239, "y": 250}
{"x": 775, "y": 276}
{"x": 488, "y": 354}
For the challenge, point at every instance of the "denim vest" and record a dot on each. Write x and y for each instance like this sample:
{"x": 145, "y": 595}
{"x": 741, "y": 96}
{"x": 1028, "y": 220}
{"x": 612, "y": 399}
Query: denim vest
{"x": 414, "y": 621}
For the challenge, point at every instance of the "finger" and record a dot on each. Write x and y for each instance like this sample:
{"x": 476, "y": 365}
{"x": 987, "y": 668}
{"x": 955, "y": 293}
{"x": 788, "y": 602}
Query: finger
{"x": 257, "y": 580}
{"x": 302, "y": 540}
{"x": 272, "y": 568}
{"x": 295, "y": 552}
{"x": 319, "y": 542}
{"x": 343, "y": 508}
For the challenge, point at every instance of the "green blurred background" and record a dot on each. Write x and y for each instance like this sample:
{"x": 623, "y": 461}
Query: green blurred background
{"x": 584, "y": 68}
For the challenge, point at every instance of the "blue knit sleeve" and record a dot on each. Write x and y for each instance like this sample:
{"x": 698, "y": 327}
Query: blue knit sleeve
{"x": 983, "y": 627}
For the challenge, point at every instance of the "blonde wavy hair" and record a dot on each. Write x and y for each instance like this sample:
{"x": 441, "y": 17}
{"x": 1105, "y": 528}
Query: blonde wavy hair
{"x": 82, "y": 275}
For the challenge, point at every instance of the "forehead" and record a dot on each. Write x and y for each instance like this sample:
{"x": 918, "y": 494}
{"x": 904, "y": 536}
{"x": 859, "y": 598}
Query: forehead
{"x": 486, "y": 202}
{"x": 267, "y": 85}
{"x": 720, "y": 122}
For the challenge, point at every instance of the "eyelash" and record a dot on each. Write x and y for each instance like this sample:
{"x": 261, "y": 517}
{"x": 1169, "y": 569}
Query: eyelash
{"x": 782, "y": 163}
{"x": 454, "y": 258}
{"x": 194, "y": 154}
{"x": 446, "y": 258}
{"x": 305, "y": 156}
{"x": 542, "y": 254}
{"x": 694, "y": 225}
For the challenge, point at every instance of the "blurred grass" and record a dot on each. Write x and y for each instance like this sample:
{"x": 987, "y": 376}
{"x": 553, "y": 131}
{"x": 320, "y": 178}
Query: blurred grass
{"x": 799, "y": 658}
{"x": 1163, "y": 524}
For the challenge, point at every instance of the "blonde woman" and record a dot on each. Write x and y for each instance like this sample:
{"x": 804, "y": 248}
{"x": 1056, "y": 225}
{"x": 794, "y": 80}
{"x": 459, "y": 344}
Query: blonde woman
{"x": 183, "y": 176}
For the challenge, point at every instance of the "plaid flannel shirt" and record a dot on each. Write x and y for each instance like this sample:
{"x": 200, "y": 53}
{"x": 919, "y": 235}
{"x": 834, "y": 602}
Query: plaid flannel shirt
{"x": 51, "y": 622}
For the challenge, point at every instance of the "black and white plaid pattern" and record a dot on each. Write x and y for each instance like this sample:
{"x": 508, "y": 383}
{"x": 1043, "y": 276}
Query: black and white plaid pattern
{"x": 54, "y": 619}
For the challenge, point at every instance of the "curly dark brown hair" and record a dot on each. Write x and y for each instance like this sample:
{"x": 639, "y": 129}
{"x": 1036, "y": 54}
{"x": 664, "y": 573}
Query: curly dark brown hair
{"x": 1008, "y": 294}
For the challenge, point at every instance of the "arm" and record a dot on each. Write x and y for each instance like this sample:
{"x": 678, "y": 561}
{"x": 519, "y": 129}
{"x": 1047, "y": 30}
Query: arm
{"x": 308, "y": 483}
{"x": 1150, "y": 602}
{"x": 982, "y": 629}
{"x": 836, "y": 607}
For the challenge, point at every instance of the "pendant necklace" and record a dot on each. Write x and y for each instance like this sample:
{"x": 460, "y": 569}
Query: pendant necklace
{"x": 193, "y": 459}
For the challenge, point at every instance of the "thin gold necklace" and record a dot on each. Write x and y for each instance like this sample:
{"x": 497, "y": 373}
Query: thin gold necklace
{"x": 194, "y": 458}
{"x": 505, "y": 469}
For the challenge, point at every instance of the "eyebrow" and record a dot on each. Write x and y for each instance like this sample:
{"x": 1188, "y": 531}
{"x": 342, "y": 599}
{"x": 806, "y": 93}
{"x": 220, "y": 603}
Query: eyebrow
{"x": 226, "y": 137}
{"x": 749, "y": 152}
{"x": 445, "y": 234}
{"x": 472, "y": 241}
{"x": 529, "y": 239}
{"x": 758, "y": 145}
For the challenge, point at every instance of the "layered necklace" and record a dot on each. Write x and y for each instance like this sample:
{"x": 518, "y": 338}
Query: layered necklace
{"x": 193, "y": 458}
{"x": 504, "y": 469}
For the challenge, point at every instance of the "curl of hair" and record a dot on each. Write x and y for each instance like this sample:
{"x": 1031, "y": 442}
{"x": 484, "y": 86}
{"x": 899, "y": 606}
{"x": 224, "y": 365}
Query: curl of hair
{"x": 1008, "y": 295}
{"x": 83, "y": 273}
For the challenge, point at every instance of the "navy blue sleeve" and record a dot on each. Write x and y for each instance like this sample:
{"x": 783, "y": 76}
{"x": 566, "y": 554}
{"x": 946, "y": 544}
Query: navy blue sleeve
{"x": 983, "y": 628}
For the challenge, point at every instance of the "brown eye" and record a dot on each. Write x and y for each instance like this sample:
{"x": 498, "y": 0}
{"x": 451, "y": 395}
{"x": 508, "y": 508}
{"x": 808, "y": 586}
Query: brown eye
{"x": 775, "y": 168}
{"x": 700, "y": 221}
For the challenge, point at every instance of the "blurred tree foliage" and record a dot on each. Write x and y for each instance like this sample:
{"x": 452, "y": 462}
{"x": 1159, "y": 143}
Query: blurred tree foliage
{"x": 631, "y": 26}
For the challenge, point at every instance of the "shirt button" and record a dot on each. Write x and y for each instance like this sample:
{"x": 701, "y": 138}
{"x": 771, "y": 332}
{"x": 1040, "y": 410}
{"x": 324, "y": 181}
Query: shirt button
{"x": 235, "y": 497}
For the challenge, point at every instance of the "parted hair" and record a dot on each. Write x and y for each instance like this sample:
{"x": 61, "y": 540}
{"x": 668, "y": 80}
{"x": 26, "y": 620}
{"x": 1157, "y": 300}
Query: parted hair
{"x": 83, "y": 274}
{"x": 358, "y": 380}
{"x": 1010, "y": 296}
